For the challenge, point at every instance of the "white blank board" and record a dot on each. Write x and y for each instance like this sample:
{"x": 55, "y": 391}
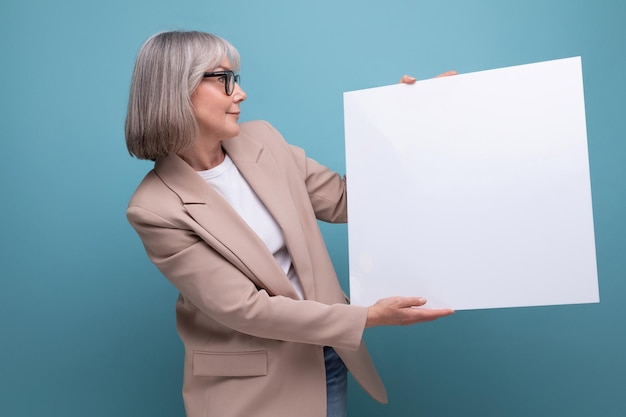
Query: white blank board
{"x": 472, "y": 190}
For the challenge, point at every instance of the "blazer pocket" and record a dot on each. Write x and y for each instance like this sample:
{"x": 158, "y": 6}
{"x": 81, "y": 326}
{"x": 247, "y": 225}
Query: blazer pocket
{"x": 251, "y": 363}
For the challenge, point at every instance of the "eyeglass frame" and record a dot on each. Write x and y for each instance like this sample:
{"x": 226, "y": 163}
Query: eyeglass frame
{"x": 231, "y": 79}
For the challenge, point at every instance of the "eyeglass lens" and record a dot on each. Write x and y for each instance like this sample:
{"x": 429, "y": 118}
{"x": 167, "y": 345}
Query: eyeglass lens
{"x": 229, "y": 82}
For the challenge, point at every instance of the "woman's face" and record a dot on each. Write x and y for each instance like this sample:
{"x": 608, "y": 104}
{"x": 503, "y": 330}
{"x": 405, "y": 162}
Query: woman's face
{"x": 216, "y": 113}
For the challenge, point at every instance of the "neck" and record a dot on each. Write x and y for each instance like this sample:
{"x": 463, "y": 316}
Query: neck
{"x": 202, "y": 156}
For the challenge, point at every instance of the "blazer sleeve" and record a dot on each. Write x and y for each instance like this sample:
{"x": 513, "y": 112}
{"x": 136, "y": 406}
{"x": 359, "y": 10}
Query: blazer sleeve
{"x": 327, "y": 191}
{"x": 223, "y": 292}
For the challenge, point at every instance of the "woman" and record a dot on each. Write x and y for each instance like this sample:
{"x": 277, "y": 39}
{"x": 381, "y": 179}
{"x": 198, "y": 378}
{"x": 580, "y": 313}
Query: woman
{"x": 229, "y": 216}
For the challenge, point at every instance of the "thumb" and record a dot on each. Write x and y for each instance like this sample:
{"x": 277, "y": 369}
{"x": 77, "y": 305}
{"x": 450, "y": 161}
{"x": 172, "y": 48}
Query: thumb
{"x": 412, "y": 302}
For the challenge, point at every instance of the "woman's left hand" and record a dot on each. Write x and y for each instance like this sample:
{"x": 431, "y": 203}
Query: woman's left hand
{"x": 407, "y": 79}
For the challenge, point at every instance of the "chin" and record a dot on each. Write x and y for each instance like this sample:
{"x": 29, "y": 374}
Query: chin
{"x": 232, "y": 133}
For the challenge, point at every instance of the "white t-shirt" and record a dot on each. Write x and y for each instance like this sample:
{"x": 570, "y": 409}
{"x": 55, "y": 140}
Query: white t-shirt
{"x": 228, "y": 181}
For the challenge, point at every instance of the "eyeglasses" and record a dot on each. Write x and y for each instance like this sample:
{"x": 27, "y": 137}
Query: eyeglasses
{"x": 228, "y": 77}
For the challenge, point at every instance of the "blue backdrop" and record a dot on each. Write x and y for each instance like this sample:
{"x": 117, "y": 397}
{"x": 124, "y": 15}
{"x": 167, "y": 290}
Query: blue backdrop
{"x": 87, "y": 323}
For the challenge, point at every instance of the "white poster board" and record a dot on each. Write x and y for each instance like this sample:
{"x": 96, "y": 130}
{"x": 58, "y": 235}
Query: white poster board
{"x": 472, "y": 190}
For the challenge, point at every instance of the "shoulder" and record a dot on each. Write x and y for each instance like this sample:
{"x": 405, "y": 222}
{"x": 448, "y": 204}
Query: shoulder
{"x": 267, "y": 136}
{"x": 146, "y": 188}
{"x": 256, "y": 138}
{"x": 152, "y": 194}
{"x": 260, "y": 131}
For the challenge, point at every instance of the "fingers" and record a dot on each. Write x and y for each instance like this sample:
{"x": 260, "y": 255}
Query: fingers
{"x": 407, "y": 79}
{"x": 402, "y": 311}
{"x": 447, "y": 74}
{"x": 410, "y": 316}
{"x": 422, "y": 315}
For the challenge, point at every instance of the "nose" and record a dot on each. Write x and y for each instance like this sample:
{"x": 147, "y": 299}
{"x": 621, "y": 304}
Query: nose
{"x": 238, "y": 94}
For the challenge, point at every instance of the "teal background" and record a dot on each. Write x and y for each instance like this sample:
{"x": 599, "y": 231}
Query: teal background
{"x": 87, "y": 323}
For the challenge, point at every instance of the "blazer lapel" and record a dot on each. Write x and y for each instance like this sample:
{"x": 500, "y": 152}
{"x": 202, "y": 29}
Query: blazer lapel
{"x": 239, "y": 243}
{"x": 263, "y": 174}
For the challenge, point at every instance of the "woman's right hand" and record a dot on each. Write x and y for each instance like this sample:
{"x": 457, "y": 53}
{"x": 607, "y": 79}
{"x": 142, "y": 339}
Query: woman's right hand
{"x": 402, "y": 311}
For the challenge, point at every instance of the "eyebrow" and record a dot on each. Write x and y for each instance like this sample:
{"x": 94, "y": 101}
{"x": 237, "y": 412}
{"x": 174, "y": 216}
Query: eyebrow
{"x": 221, "y": 68}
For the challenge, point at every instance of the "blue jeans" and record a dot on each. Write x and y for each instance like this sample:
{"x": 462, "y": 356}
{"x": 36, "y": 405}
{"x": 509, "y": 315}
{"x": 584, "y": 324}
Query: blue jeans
{"x": 336, "y": 384}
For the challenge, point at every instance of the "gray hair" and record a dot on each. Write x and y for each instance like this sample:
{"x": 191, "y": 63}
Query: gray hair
{"x": 169, "y": 67}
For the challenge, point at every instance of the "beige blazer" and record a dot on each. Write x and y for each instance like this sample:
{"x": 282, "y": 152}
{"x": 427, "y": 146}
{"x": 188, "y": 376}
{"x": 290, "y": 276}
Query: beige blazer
{"x": 252, "y": 348}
